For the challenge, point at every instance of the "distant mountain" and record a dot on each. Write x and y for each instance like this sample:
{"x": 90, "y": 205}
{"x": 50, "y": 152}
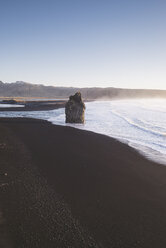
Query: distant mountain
{"x": 22, "y": 89}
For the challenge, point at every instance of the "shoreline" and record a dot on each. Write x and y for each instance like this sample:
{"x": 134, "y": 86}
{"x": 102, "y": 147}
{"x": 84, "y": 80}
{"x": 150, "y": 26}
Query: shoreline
{"x": 149, "y": 148}
{"x": 36, "y": 106}
{"x": 115, "y": 195}
{"x": 134, "y": 146}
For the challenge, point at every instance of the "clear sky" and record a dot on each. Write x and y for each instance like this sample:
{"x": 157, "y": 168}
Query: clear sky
{"x": 119, "y": 43}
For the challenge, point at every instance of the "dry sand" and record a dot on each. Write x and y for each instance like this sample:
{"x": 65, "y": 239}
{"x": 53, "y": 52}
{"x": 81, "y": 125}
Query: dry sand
{"x": 73, "y": 188}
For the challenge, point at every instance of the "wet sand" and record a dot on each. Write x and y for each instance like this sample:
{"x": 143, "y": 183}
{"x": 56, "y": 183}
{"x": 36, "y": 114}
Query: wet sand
{"x": 74, "y": 188}
{"x": 36, "y": 106}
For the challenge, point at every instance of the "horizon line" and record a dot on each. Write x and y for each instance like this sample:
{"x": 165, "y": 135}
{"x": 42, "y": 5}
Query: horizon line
{"x": 87, "y": 87}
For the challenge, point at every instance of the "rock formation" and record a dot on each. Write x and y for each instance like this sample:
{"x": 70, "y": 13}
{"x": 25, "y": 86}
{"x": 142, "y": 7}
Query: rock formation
{"x": 75, "y": 109}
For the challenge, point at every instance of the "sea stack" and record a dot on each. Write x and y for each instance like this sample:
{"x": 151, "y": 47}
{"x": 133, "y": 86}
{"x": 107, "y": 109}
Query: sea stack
{"x": 75, "y": 109}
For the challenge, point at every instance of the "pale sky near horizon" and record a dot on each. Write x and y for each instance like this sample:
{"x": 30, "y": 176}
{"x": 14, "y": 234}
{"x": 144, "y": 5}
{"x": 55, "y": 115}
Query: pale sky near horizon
{"x": 84, "y": 43}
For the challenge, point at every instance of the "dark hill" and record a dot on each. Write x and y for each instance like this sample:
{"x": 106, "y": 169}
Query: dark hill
{"x": 22, "y": 89}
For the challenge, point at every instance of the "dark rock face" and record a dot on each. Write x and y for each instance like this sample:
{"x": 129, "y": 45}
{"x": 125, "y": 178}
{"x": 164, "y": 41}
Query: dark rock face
{"x": 75, "y": 109}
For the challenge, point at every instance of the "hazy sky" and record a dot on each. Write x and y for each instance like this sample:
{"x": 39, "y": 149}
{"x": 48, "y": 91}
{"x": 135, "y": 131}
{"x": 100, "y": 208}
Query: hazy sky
{"x": 120, "y": 43}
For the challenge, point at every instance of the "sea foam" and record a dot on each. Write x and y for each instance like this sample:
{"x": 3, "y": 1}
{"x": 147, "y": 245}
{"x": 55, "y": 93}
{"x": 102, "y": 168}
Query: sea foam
{"x": 139, "y": 123}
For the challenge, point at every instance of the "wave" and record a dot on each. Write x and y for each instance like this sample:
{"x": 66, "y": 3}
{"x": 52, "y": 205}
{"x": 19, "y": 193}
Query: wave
{"x": 143, "y": 128}
{"x": 123, "y": 120}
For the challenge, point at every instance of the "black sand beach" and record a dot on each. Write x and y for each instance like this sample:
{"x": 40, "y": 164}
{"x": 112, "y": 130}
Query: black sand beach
{"x": 72, "y": 188}
{"x": 35, "y": 105}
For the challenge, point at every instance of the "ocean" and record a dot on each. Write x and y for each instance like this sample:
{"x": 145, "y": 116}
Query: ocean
{"x": 138, "y": 123}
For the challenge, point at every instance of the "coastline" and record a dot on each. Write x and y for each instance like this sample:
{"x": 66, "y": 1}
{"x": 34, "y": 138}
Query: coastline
{"x": 112, "y": 195}
{"x": 36, "y": 106}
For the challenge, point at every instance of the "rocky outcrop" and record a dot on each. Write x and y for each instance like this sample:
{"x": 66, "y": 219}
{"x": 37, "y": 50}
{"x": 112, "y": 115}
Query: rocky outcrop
{"x": 75, "y": 109}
